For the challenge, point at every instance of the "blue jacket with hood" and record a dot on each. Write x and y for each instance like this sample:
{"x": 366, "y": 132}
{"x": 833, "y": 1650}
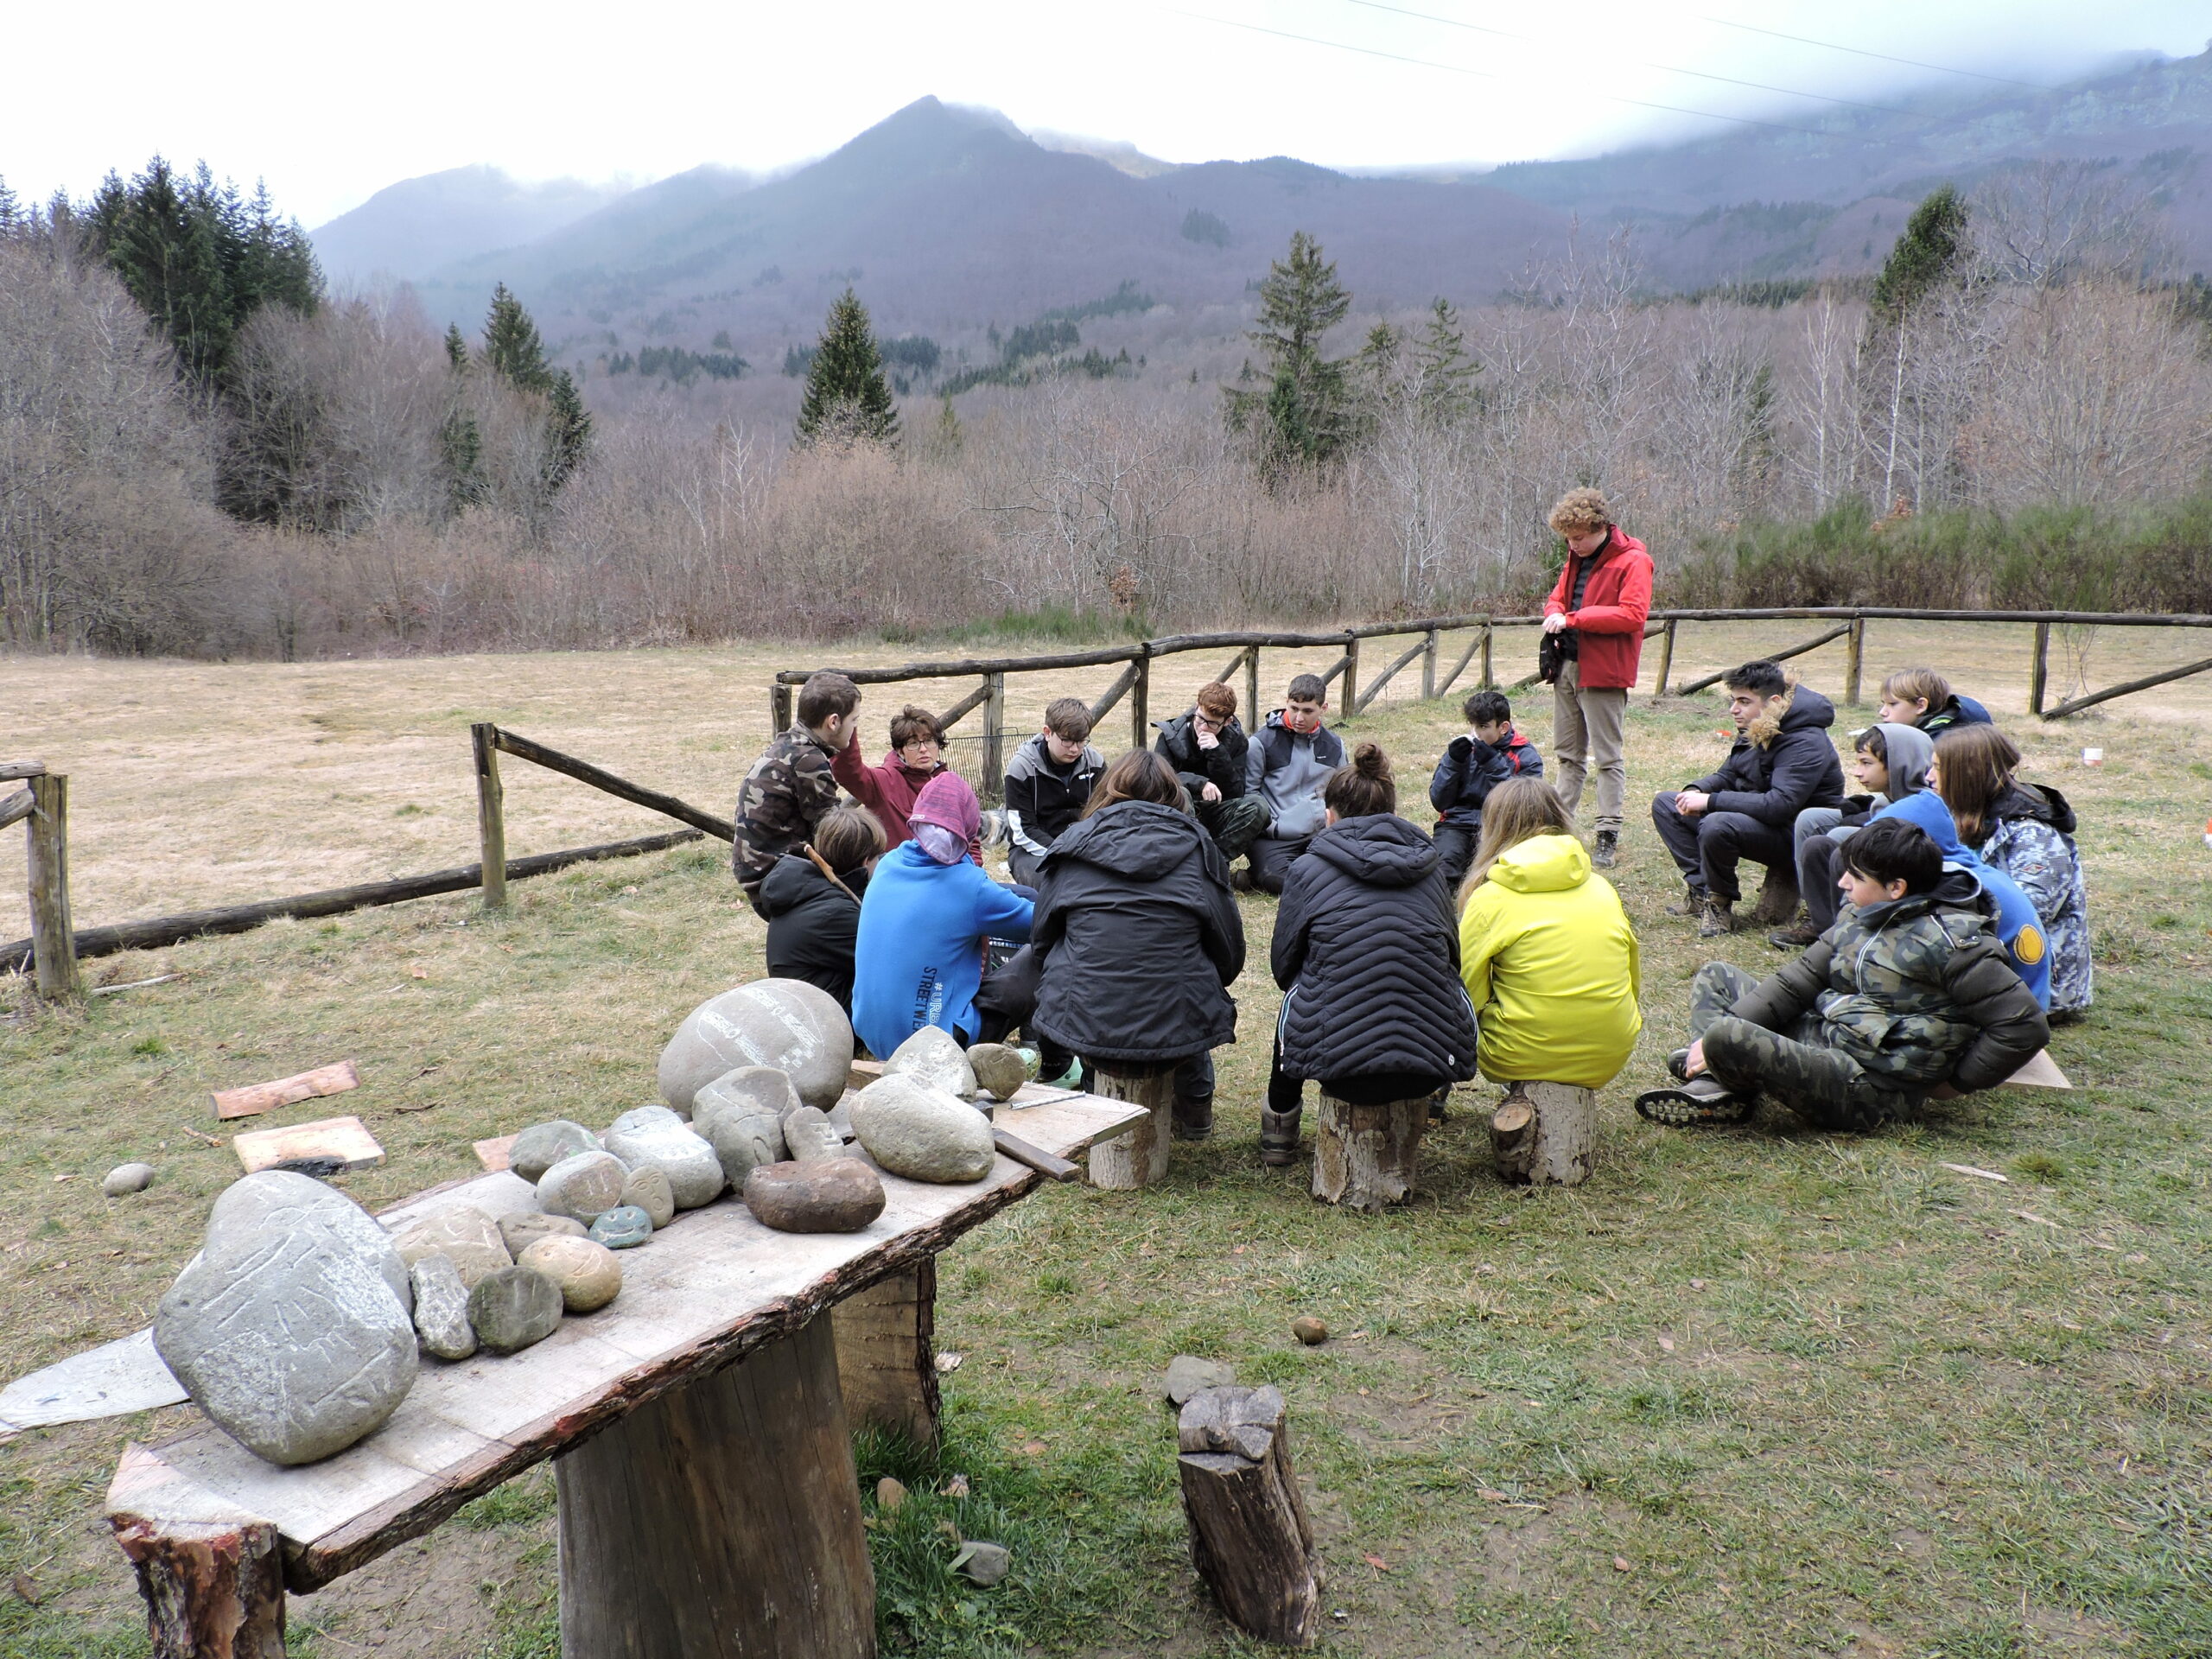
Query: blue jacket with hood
{"x": 918, "y": 959}
{"x": 2018, "y": 928}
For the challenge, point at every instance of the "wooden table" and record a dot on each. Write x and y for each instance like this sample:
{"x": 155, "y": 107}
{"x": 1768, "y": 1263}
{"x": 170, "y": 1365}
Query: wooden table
{"x": 708, "y": 1502}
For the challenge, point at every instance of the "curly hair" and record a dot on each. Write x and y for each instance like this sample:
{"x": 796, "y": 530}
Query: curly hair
{"x": 1580, "y": 512}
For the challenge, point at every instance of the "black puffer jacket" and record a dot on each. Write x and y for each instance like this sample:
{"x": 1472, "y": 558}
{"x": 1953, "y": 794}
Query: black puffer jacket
{"x": 811, "y": 925}
{"x": 1779, "y": 767}
{"x": 1221, "y": 765}
{"x": 1367, "y": 951}
{"x": 1139, "y": 936}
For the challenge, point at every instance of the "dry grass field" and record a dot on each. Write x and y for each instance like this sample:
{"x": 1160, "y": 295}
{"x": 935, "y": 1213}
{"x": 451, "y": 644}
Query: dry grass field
{"x": 1757, "y": 1392}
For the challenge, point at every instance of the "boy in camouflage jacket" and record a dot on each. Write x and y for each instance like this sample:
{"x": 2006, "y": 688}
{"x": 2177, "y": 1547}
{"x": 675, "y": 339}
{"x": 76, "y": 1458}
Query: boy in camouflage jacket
{"x": 789, "y": 790}
{"x": 1908, "y": 993}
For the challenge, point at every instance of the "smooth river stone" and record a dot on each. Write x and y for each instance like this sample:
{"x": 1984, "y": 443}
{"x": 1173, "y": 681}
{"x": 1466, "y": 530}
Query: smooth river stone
{"x": 648, "y": 1190}
{"x": 541, "y": 1146}
{"x": 442, "y": 1308}
{"x": 931, "y": 1057}
{"x": 126, "y": 1178}
{"x": 785, "y": 1023}
{"x": 745, "y": 1090}
{"x": 653, "y": 1137}
{"x": 589, "y": 1274}
{"x": 998, "y": 1069}
{"x": 524, "y": 1227}
{"x": 464, "y": 1235}
{"x": 513, "y": 1308}
{"x": 623, "y": 1228}
{"x": 292, "y": 1327}
{"x": 836, "y": 1195}
{"x": 921, "y": 1132}
{"x": 811, "y": 1138}
{"x": 744, "y": 1141}
{"x": 584, "y": 1187}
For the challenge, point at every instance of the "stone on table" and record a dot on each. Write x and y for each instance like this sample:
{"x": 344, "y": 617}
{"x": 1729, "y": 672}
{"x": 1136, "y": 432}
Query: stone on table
{"x": 464, "y": 1235}
{"x": 514, "y": 1308}
{"x": 584, "y": 1187}
{"x": 623, "y": 1228}
{"x": 653, "y": 1137}
{"x": 442, "y": 1308}
{"x": 541, "y": 1146}
{"x": 292, "y": 1328}
{"x": 648, "y": 1190}
{"x": 835, "y": 1195}
{"x": 1187, "y": 1375}
{"x": 589, "y": 1274}
{"x": 746, "y": 1090}
{"x": 743, "y": 1139}
{"x": 809, "y": 1138}
{"x": 126, "y": 1178}
{"x": 785, "y": 1023}
{"x": 922, "y": 1133}
{"x": 932, "y": 1056}
{"x": 524, "y": 1227}
{"x": 1000, "y": 1070}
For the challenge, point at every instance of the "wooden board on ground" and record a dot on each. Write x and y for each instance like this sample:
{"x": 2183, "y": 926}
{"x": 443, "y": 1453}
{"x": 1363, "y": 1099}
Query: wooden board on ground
{"x": 2041, "y": 1073}
{"x": 256, "y": 1098}
{"x": 708, "y": 1289}
{"x": 345, "y": 1139}
{"x": 492, "y": 1155}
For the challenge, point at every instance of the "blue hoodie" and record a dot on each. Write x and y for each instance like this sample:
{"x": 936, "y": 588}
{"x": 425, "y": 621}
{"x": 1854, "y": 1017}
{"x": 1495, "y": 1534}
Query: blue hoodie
{"x": 919, "y": 958}
{"x": 2018, "y": 926}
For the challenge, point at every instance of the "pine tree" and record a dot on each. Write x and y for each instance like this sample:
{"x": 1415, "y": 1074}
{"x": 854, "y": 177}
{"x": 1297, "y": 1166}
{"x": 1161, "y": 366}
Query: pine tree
{"x": 950, "y": 437}
{"x": 846, "y": 396}
{"x": 511, "y": 346}
{"x": 1931, "y": 251}
{"x": 1446, "y": 372}
{"x": 1304, "y": 417}
{"x": 11, "y": 217}
{"x": 569, "y": 426}
{"x": 456, "y": 348}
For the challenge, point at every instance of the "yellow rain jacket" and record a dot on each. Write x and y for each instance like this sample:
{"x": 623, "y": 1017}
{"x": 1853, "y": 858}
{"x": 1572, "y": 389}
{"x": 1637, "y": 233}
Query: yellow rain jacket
{"x": 1550, "y": 964}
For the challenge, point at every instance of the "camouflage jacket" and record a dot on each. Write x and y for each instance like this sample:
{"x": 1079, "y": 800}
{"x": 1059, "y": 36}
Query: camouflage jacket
{"x": 783, "y": 798}
{"x": 1917, "y": 991}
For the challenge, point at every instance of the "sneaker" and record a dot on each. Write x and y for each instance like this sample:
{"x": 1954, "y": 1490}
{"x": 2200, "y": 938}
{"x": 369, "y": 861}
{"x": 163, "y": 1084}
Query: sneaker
{"x": 1607, "y": 852}
{"x": 1717, "y": 918}
{"x": 1795, "y": 937}
{"x": 1701, "y": 1101}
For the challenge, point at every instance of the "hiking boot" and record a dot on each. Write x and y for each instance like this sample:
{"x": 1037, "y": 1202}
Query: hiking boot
{"x": 1691, "y": 902}
{"x": 1240, "y": 880}
{"x": 1700, "y": 1100}
{"x": 1193, "y": 1118}
{"x": 1278, "y": 1137}
{"x": 1436, "y": 1103}
{"x": 1718, "y": 917}
{"x": 1799, "y": 934}
{"x": 1607, "y": 852}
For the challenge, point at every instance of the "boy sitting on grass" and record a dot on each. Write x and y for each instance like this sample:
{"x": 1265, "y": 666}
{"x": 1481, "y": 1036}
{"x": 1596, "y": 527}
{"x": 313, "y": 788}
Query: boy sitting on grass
{"x": 1922, "y": 697}
{"x": 1908, "y": 994}
{"x": 1472, "y": 765}
{"x": 1048, "y": 784}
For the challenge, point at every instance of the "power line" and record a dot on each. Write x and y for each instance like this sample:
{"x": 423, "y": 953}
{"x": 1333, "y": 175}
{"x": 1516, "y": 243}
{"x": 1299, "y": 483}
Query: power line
{"x": 1668, "y": 68}
{"x": 1483, "y": 74}
{"x": 1940, "y": 68}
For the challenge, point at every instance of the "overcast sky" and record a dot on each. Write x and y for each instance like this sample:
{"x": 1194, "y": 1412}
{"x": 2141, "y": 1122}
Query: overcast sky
{"x": 330, "y": 104}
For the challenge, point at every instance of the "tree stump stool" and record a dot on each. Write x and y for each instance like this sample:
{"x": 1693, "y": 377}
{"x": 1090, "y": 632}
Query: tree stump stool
{"x": 1365, "y": 1157}
{"x": 1545, "y": 1134}
{"x": 1250, "y": 1539}
{"x": 1778, "y": 897}
{"x": 1140, "y": 1157}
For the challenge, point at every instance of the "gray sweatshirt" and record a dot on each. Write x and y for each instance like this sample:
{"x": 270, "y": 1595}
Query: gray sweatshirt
{"x": 1287, "y": 771}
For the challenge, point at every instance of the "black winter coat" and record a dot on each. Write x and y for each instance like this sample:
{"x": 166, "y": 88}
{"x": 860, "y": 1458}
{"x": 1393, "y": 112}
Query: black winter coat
{"x": 1367, "y": 951}
{"x": 811, "y": 925}
{"x": 1221, "y": 765}
{"x": 1779, "y": 768}
{"x": 1138, "y": 937}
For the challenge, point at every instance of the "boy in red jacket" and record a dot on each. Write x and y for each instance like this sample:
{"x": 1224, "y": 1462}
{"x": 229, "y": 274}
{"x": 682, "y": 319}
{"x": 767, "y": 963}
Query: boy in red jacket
{"x": 1597, "y": 613}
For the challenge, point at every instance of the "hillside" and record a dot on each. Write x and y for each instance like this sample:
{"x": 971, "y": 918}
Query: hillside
{"x": 410, "y": 229}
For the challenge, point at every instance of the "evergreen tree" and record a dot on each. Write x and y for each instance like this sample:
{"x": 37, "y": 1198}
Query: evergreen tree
{"x": 1446, "y": 372}
{"x": 569, "y": 424}
{"x": 511, "y": 346}
{"x": 456, "y": 348}
{"x": 950, "y": 437}
{"x": 1304, "y": 418}
{"x": 514, "y": 352}
{"x": 846, "y": 395}
{"x": 11, "y": 217}
{"x": 1931, "y": 251}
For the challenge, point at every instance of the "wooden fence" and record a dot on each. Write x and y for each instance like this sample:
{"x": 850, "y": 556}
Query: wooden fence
{"x": 56, "y": 946}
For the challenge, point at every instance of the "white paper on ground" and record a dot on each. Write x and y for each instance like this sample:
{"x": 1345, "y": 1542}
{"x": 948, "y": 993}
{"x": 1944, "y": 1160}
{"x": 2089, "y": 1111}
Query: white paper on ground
{"x": 104, "y": 1382}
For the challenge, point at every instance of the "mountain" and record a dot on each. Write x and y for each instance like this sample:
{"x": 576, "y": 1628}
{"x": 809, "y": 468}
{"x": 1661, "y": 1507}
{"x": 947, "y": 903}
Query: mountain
{"x": 410, "y": 229}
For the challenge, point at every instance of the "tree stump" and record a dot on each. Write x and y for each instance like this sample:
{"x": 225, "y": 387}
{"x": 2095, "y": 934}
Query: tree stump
{"x": 1778, "y": 897}
{"x": 212, "y": 1576}
{"x": 887, "y": 1353}
{"x": 1250, "y": 1539}
{"x": 1138, "y": 1158}
{"x": 1365, "y": 1157}
{"x": 721, "y": 1521}
{"x": 1545, "y": 1134}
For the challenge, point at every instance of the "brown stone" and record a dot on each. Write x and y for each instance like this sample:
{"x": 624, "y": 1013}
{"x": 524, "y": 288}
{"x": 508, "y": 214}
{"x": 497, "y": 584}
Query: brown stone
{"x": 838, "y": 1195}
{"x": 589, "y": 1274}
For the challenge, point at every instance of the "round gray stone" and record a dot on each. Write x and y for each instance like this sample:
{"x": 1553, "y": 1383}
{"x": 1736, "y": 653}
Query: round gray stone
{"x": 291, "y": 1328}
{"x": 931, "y": 1057}
{"x": 743, "y": 1142}
{"x": 623, "y": 1228}
{"x": 464, "y": 1235}
{"x": 127, "y": 1177}
{"x": 921, "y": 1132}
{"x": 541, "y": 1146}
{"x": 514, "y": 1308}
{"x": 524, "y": 1227}
{"x": 836, "y": 1195}
{"x": 442, "y": 1309}
{"x": 1187, "y": 1374}
{"x": 584, "y": 1187}
{"x": 648, "y": 1190}
{"x": 785, "y": 1023}
{"x": 745, "y": 1091}
{"x": 653, "y": 1137}
{"x": 810, "y": 1137}
{"x": 998, "y": 1069}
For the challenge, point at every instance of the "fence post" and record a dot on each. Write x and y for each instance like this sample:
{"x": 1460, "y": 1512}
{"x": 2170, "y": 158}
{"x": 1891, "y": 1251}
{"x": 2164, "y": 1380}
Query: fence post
{"x": 1853, "y": 659}
{"x": 1252, "y": 692}
{"x": 1351, "y": 675}
{"x": 54, "y": 938}
{"x": 1140, "y": 697}
{"x": 2039, "y": 673}
{"x": 491, "y": 815}
{"x": 1666, "y": 660}
{"x": 994, "y": 735}
{"x": 779, "y": 709}
{"x": 1489, "y": 682}
{"x": 1428, "y": 667}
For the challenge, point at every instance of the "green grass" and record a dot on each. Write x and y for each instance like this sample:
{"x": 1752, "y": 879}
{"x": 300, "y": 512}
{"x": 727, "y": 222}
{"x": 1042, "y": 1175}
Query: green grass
{"x": 1818, "y": 1394}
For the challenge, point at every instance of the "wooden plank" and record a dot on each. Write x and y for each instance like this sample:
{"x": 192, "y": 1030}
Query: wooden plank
{"x": 12, "y": 770}
{"x": 344, "y": 1138}
{"x": 2143, "y": 684}
{"x": 493, "y": 1153}
{"x": 967, "y": 705}
{"x": 256, "y": 1098}
{"x": 1814, "y": 644}
{"x": 17, "y": 807}
{"x": 1375, "y": 686}
{"x": 2041, "y": 1073}
{"x": 1114, "y": 693}
{"x": 600, "y": 778}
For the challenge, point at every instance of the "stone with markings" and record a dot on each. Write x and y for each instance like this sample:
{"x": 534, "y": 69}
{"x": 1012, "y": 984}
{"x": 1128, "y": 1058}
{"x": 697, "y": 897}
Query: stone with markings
{"x": 745, "y": 1090}
{"x": 513, "y": 1308}
{"x": 292, "y": 1328}
{"x": 541, "y": 1146}
{"x": 442, "y": 1308}
{"x": 524, "y": 1227}
{"x": 584, "y": 1187}
{"x": 931, "y": 1057}
{"x": 464, "y": 1235}
{"x": 623, "y": 1228}
{"x": 589, "y": 1274}
{"x": 648, "y": 1190}
{"x": 653, "y": 1137}
{"x": 785, "y": 1023}
{"x": 922, "y": 1133}
{"x": 811, "y": 1138}
{"x": 744, "y": 1135}
{"x": 833, "y": 1195}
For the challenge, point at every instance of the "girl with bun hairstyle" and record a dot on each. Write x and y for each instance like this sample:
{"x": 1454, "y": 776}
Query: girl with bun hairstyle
{"x": 1368, "y": 957}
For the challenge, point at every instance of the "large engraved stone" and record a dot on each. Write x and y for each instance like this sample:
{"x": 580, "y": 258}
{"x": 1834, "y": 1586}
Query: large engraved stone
{"x": 931, "y": 1055}
{"x": 292, "y": 1327}
{"x": 785, "y": 1023}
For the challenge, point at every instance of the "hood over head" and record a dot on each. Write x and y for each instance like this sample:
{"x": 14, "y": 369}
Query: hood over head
{"x": 1927, "y": 810}
{"x": 1139, "y": 841}
{"x": 1542, "y": 864}
{"x": 1383, "y": 849}
{"x": 1909, "y": 750}
{"x": 947, "y": 802}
